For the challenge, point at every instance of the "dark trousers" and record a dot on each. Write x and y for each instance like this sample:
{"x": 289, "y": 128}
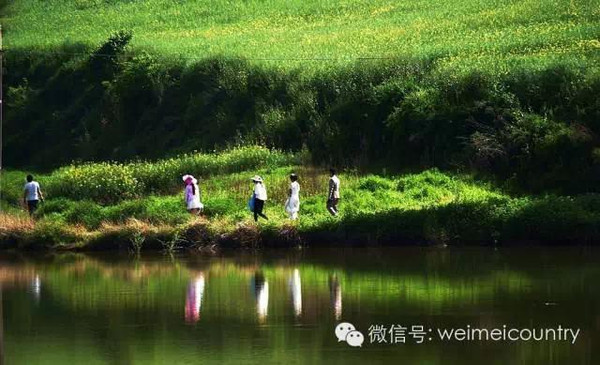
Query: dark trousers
{"x": 258, "y": 209}
{"x": 32, "y": 206}
{"x": 332, "y": 206}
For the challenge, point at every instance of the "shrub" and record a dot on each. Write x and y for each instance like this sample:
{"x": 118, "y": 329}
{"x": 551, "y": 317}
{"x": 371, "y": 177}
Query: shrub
{"x": 85, "y": 212}
{"x": 374, "y": 183}
{"x": 103, "y": 182}
{"x": 107, "y": 182}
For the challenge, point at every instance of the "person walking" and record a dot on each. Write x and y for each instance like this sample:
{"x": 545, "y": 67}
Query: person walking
{"x": 192, "y": 195}
{"x": 259, "y": 196}
{"x": 333, "y": 195}
{"x": 292, "y": 205}
{"x": 32, "y": 194}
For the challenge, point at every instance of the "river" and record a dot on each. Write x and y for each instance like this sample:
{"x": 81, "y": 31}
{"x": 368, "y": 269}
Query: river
{"x": 537, "y": 305}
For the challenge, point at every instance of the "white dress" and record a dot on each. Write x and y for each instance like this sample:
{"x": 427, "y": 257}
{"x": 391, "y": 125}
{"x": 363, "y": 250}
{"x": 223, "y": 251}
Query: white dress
{"x": 193, "y": 200}
{"x": 292, "y": 206}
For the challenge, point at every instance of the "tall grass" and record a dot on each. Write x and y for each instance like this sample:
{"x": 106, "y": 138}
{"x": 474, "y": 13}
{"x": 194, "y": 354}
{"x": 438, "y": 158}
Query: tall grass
{"x": 427, "y": 207}
{"x": 110, "y": 182}
{"x": 472, "y": 33}
{"x": 503, "y": 88}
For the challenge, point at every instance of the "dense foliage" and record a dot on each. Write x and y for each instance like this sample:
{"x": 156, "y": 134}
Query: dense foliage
{"x": 506, "y": 89}
{"x": 430, "y": 206}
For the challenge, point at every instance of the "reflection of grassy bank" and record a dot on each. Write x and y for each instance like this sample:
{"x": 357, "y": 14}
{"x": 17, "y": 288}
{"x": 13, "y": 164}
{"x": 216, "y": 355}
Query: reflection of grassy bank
{"x": 427, "y": 207}
{"x": 91, "y": 284}
{"x": 111, "y": 309}
{"x": 162, "y": 284}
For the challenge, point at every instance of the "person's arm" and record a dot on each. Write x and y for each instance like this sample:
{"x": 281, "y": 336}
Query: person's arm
{"x": 40, "y": 193}
{"x": 25, "y": 195}
{"x": 331, "y": 189}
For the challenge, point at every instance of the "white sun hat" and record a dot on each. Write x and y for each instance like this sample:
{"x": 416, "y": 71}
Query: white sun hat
{"x": 256, "y": 178}
{"x": 187, "y": 176}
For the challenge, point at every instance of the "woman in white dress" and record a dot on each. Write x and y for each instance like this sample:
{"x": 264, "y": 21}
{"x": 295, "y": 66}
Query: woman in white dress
{"x": 292, "y": 205}
{"x": 192, "y": 195}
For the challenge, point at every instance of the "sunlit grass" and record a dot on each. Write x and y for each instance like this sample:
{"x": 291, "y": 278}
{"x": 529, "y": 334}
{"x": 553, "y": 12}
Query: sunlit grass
{"x": 471, "y": 33}
{"x": 432, "y": 206}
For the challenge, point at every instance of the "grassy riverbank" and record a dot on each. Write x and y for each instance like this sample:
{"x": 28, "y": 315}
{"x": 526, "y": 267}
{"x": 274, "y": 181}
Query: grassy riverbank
{"x": 100, "y": 206}
{"x": 505, "y": 91}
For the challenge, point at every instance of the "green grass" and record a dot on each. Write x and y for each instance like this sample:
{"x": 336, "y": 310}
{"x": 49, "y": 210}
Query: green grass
{"x": 465, "y": 34}
{"x": 503, "y": 88}
{"x": 430, "y": 206}
{"x": 108, "y": 182}
{"x": 506, "y": 89}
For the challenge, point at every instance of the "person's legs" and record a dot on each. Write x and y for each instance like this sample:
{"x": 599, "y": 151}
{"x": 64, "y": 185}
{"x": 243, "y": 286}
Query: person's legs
{"x": 335, "y": 203}
{"x": 330, "y": 207}
{"x": 32, "y": 206}
{"x": 261, "y": 211}
{"x": 258, "y": 209}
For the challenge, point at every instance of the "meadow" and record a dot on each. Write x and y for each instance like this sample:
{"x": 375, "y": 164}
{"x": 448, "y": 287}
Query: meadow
{"x": 313, "y": 34}
{"x": 426, "y": 207}
{"x": 502, "y": 89}
{"x": 453, "y": 121}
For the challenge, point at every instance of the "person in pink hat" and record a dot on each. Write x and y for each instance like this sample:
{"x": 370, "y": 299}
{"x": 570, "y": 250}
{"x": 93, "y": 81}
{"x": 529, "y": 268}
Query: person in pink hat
{"x": 192, "y": 195}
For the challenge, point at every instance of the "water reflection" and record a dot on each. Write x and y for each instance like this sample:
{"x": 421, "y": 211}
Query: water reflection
{"x": 261, "y": 294}
{"x": 193, "y": 298}
{"x": 335, "y": 296}
{"x": 36, "y": 287}
{"x": 296, "y": 290}
{"x": 124, "y": 311}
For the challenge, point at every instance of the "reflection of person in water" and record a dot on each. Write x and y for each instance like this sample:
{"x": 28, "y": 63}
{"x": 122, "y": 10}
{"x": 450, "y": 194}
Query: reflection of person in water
{"x": 261, "y": 294}
{"x": 36, "y": 285}
{"x": 193, "y": 299}
{"x": 296, "y": 290}
{"x": 335, "y": 296}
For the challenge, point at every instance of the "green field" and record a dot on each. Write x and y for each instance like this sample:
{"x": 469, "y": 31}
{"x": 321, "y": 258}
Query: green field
{"x": 312, "y": 34}
{"x": 115, "y": 206}
{"x": 453, "y": 121}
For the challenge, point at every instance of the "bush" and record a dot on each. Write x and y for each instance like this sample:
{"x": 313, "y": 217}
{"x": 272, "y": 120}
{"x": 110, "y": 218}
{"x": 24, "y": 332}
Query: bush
{"x": 536, "y": 123}
{"x": 85, "y": 212}
{"x": 112, "y": 182}
{"x": 374, "y": 183}
{"x": 103, "y": 182}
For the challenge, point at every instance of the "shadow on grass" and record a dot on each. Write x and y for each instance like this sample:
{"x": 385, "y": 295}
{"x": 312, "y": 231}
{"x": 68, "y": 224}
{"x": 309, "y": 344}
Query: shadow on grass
{"x": 550, "y": 220}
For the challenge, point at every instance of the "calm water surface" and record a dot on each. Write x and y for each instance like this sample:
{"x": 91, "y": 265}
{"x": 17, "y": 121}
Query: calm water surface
{"x": 283, "y": 307}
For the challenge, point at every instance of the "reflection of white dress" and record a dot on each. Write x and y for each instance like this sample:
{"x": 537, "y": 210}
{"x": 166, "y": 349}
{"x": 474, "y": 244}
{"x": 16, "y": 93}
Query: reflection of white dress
{"x": 296, "y": 289}
{"x": 292, "y": 206}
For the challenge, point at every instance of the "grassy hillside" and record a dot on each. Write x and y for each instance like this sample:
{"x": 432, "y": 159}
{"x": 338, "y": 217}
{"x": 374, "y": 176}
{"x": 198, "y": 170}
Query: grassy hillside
{"x": 491, "y": 34}
{"x": 507, "y": 89}
{"x": 96, "y": 205}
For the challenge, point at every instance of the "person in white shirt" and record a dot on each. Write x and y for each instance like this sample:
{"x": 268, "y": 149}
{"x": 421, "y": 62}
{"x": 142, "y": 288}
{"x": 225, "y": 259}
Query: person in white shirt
{"x": 333, "y": 195}
{"x": 260, "y": 196}
{"x": 192, "y": 195}
{"x": 292, "y": 205}
{"x": 32, "y": 194}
